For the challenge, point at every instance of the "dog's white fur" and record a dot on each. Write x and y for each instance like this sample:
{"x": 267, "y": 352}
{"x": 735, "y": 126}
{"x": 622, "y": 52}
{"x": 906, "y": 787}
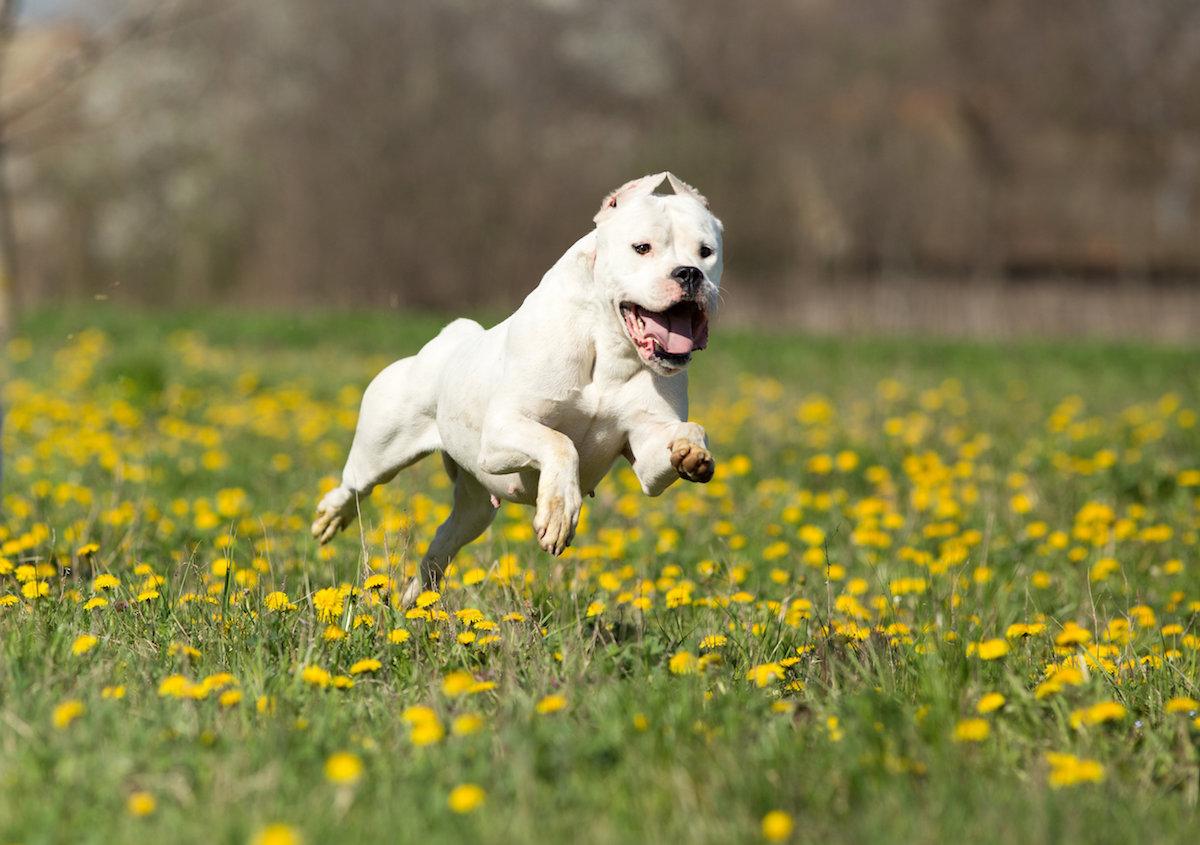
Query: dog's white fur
{"x": 537, "y": 409}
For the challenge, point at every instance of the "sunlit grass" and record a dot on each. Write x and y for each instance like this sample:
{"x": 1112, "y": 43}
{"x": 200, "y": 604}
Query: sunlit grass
{"x": 934, "y": 592}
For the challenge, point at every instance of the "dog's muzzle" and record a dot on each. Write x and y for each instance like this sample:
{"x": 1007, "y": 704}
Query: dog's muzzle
{"x": 670, "y": 335}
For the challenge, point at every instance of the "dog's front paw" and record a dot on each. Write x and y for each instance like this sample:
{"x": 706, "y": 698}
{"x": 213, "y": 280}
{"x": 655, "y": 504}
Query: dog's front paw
{"x": 558, "y": 506}
{"x": 692, "y": 461}
{"x": 336, "y": 511}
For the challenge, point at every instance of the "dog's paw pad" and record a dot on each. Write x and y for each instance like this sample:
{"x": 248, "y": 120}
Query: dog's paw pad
{"x": 692, "y": 461}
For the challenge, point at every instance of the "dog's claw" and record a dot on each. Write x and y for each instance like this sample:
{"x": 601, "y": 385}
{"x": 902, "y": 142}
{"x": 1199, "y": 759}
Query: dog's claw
{"x": 692, "y": 461}
{"x": 555, "y": 520}
{"x": 335, "y": 512}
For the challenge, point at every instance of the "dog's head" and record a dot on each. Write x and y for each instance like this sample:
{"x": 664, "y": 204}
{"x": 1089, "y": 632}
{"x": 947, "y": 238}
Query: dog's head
{"x": 658, "y": 264}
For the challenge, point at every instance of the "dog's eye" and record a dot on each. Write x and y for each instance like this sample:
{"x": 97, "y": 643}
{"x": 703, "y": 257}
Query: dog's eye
{"x": 705, "y": 251}
{"x": 641, "y": 249}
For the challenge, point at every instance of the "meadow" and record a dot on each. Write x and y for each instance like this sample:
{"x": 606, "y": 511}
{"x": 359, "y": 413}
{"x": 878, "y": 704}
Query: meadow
{"x": 936, "y": 592}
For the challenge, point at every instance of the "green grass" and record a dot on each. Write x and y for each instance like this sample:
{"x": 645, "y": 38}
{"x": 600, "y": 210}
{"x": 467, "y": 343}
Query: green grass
{"x": 180, "y": 441}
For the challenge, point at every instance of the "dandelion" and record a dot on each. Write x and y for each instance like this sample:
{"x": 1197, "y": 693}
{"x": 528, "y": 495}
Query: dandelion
{"x": 141, "y": 804}
{"x": 428, "y": 598}
{"x": 329, "y": 603}
{"x": 971, "y": 730}
{"x": 427, "y": 733}
{"x": 230, "y": 698}
{"x": 777, "y": 826}
{"x": 1098, "y": 714}
{"x": 989, "y": 703}
{"x": 67, "y": 712}
{"x": 551, "y": 704}
{"x": 466, "y": 724}
{"x": 765, "y": 673}
{"x": 683, "y": 663}
{"x": 278, "y": 602}
{"x": 398, "y": 635}
{"x": 992, "y": 649}
{"x": 1182, "y": 705}
{"x": 34, "y": 590}
{"x": 343, "y": 768}
{"x": 465, "y": 798}
{"x": 316, "y": 676}
{"x": 457, "y": 683}
{"x": 1069, "y": 770}
{"x": 83, "y": 644}
{"x": 277, "y": 834}
{"x": 105, "y": 581}
{"x": 368, "y": 664}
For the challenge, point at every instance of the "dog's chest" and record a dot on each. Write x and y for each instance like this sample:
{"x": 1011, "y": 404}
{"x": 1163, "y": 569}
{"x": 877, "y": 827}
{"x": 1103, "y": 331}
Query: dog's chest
{"x": 593, "y": 419}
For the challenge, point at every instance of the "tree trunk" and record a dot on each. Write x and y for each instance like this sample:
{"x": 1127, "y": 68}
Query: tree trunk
{"x": 8, "y": 233}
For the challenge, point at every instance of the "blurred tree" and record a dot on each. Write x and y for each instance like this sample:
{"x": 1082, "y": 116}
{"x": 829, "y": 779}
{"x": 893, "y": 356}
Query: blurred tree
{"x": 8, "y": 239}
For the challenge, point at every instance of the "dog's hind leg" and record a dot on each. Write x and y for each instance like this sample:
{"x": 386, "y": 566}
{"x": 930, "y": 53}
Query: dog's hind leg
{"x": 396, "y": 428}
{"x": 472, "y": 514}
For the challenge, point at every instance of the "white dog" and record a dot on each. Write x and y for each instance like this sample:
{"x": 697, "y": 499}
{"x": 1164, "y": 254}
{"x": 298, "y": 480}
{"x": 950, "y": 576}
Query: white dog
{"x": 537, "y": 409}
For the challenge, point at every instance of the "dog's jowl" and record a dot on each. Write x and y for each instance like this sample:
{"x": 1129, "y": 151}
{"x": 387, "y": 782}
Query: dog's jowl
{"x": 591, "y": 367}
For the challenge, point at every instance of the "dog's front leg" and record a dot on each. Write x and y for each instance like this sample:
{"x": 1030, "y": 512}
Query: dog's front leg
{"x": 511, "y": 442}
{"x": 661, "y": 452}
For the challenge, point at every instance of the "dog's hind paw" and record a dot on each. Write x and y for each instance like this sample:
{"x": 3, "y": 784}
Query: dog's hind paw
{"x": 335, "y": 512}
{"x": 692, "y": 461}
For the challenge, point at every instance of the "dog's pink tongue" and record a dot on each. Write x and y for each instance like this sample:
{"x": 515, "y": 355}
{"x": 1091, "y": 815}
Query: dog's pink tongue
{"x": 672, "y": 331}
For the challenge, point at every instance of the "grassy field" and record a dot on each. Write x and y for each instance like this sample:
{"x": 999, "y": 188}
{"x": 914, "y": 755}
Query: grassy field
{"x": 936, "y": 592}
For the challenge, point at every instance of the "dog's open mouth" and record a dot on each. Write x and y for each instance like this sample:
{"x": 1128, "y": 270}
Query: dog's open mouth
{"x": 669, "y": 336}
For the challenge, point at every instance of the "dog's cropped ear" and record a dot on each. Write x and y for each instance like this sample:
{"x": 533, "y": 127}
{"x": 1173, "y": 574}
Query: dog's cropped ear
{"x": 683, "y": 189}
{"x": 628, "y": 191}
{"x": 642, "y": 187}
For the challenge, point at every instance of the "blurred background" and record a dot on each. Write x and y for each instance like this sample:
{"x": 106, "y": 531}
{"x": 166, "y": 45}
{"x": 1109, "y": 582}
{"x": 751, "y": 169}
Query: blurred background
{"x": 958, "y": 167}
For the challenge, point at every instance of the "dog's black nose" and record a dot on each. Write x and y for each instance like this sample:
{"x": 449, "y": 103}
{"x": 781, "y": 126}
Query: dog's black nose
{"x": 689, "y": 278}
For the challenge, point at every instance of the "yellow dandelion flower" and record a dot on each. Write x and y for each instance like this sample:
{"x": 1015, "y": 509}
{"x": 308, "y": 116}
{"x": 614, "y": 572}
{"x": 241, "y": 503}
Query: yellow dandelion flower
{"x": 367, "y": 664}
{"x": 457, "y": 683}
{"x": 989, "y": 703}
{"x": 683, "y": 663}
{"x": 427, "y": 733}
{"x": 33, "y": 590}
{"x": 971, "y": 730}
{"x": 83, "y": 644}
{"x": 777, "y": 826}
{"x": 465, "y": 798}
{"x": 278, "y": 602}
{"x": 466, "y": 724}
{"x": 329, "y": 603}
{"x": 141, "y": 804}
{"x": 1069, "y": 770}
{"x": 105, "y": 581}
{"x": 992, "y": 649}
{"x": 67, "y": 712}
{"x": 1182, "y": 705}
{"x": 277, "y": 834}
{"x": 765, "y": 673}
{"x": 316, "y": 676}
{"x": 551, "y": 704}
{"x": 1098, "y": 714}
{"x": 343, "y": 768}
